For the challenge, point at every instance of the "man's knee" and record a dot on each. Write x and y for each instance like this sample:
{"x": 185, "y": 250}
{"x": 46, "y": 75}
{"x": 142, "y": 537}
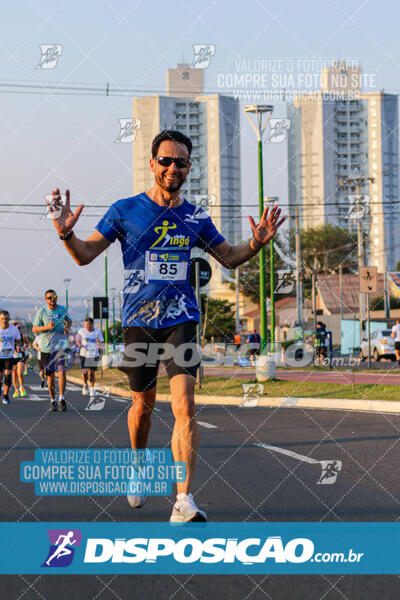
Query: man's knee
{"x": 183, "y": 406}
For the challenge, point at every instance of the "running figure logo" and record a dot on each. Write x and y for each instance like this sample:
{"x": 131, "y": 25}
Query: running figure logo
{"x": 202, "y": 55}
{"x": 358, "y": 205}
{"x": 251, "y": 394}
{"x": 162, "y": 230}
{"x": 50, "y": 55}
{"x": 330, "y": 471}
{"x": 285, "y": 281}
{"x": 278, "y": 130}
{"x": 62, "y": 547}
{"x": 128, "y": 130}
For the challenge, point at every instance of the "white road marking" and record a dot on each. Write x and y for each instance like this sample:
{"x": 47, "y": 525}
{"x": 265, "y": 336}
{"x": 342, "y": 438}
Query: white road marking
{"x": 207, "y": 425}
{"x": 37, "y": 398}
{"x": 37, "y": 388}
{"x": 307, "y": 459}
{"x": 330, "y": 468}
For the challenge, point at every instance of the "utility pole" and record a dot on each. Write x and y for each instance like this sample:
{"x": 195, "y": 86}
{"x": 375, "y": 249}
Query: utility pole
{"x": 237, "y": 299}
{"x": 314, "y": 293}
{"x": 386, "y": 297}
{"x": 341, "y": 290}
{"x": 106, "y": 293}
{"x": 299, "y": 273}
{"x": 347, "y": 182}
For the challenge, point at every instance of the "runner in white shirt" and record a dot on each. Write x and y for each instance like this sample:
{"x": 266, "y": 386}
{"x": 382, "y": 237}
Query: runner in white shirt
{"x": 10, "y": 338}
{"x": 396, "y": 335}
{"x": 88, "y": 340}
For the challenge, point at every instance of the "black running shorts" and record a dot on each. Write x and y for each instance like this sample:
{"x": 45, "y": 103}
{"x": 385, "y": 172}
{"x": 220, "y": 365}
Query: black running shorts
{"x": 6, "y": 364}
{"x": 397, "y": 345}
{"x": 145, "y": 347}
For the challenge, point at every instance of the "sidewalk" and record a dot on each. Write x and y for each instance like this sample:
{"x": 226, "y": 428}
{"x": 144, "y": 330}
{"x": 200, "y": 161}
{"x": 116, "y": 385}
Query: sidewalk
{"x": 385, "y": 406}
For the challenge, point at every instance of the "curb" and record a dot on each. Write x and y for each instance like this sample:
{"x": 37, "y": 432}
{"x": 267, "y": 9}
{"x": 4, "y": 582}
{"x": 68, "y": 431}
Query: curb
{"x": 383, "y": 406}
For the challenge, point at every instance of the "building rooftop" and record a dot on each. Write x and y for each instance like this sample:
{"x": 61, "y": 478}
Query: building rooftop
{"x": 329, "y": 292}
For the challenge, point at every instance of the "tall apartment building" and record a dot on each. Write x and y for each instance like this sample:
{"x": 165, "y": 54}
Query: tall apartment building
{"x": 212, "y": 123}
{"x": 342, "y": 133}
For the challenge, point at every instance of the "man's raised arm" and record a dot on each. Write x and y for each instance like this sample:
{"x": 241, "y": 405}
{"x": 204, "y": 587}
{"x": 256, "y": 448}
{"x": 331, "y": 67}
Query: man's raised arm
{"x": 233, "y": 256}
{"x": 82, "y": 251}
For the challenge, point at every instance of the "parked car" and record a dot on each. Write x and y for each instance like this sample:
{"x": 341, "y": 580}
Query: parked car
{"x": 382, "y": 346}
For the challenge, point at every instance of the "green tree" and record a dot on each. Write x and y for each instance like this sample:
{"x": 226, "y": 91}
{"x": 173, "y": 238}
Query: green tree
{"x": 220, "y": 318}
{"x": 323, "y": 249}
{"x": 249, "y": 278}
{"x": 378, "y": 303}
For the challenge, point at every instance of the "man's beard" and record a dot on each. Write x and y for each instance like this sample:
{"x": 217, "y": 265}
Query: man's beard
{"x": 170, "y": 187}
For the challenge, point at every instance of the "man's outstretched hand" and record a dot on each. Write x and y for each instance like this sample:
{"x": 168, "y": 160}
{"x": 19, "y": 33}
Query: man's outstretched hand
{"x": 63, "y": 218}
{"x": 267, "y": 227}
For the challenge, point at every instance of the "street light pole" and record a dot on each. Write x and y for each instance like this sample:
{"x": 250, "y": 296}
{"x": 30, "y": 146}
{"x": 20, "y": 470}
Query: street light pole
{"x": 67, "y": 281}
{"x": 106, "y": 293}
{"x": 113, "y": 290}
{"x": 259, "y": 110}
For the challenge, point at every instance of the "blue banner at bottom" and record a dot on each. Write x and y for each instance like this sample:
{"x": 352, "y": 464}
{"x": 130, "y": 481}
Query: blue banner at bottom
{"x": 200, "y": 548}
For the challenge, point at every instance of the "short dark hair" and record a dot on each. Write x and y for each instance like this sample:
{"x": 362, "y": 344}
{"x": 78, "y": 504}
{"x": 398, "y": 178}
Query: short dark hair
{"x": 50, "y": 292}
{"x": 4, "y": 312}
{"x": 173, "y": 136}
{"x": 89, "y": 319}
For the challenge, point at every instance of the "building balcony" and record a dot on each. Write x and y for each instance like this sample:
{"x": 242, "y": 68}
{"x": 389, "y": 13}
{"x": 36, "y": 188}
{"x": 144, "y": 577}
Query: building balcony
{"x": 341, "y": 128}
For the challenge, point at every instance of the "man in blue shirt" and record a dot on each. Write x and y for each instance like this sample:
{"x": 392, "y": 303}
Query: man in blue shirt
{"x": 53, "y": 322}
{"x": 157, "y": 230}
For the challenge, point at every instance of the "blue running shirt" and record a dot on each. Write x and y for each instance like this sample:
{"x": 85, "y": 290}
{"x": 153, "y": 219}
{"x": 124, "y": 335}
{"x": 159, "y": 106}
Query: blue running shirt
{"x": 156, "y": 243}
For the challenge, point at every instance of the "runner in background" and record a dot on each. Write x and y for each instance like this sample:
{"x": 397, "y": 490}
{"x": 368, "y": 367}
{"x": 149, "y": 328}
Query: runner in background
{"x": 36, "y": 346}
{"x": 396, "y": 335}
{"x": 19, "y": 365}
{"x": 54, "y": 323}
{"x": 10, "y": 338}
{"x": 89, "y": 340}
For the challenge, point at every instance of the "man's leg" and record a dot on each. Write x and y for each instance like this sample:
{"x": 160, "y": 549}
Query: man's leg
{"x": 20, "y": 373}
{"x": 62, "y": 382}
{"x": 51, "y": 384}
{"x": 139, "y": 417}
{"x": 85, "y": 377}
{"x": 7, "y": 382}
{"x": 185, "y": 436}
{"x": 15, "y": 381}
{"x": 92, "y": 380}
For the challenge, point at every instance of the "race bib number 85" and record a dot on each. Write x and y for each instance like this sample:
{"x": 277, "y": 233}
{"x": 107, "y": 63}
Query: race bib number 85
{"x": 165, "y": 266}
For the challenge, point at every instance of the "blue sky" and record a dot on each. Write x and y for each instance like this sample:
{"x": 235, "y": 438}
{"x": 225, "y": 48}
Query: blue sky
{"x": 48, "y": 140}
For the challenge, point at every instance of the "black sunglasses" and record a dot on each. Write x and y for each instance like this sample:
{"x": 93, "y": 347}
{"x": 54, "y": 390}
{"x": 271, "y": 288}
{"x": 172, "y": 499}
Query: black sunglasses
{"x": 166, "y": 161}
{"x": 51, "y": 298}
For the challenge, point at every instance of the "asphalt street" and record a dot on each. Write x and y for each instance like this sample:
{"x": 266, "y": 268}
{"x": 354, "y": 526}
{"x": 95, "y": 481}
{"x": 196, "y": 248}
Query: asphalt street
{"x": 237, "y": 479}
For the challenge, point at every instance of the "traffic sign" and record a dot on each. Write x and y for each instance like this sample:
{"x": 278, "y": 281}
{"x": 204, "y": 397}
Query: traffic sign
{"x": 100, "y": 307}
{"x": 204, "y": 272}
{"x": 368, "y": 280}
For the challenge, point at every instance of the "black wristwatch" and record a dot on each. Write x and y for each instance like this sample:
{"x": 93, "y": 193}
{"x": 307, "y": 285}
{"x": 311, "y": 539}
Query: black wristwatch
{"x": 66, "y": 236}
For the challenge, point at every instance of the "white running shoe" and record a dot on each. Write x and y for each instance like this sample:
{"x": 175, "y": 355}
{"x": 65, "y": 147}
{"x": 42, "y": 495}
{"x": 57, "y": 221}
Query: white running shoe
{"x": 85, "y": 390}
{"x": 137, "y": 501}
{"x": 185, "y": 510}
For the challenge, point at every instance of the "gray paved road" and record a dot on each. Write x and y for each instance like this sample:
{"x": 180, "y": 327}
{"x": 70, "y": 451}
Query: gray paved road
{"x": 235, "y": 481}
